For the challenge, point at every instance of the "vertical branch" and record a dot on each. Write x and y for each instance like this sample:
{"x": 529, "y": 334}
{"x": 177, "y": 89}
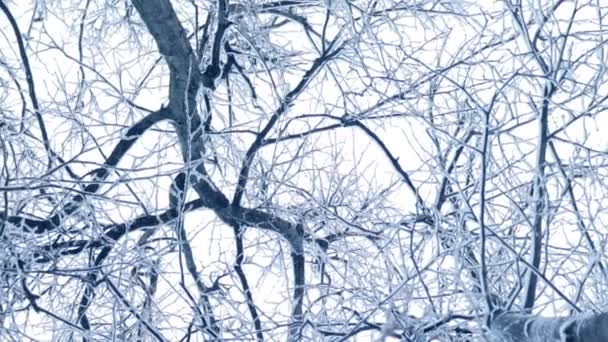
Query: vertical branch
{"x": 538, "y": 198}
{"x": 482, "y": 211}
{"x": 89, "y": 292}
{"x": 213, "y": 70}
{"x": 177, "y": 200}
{"x": 295, "y": 325}
{"x": 238, "y": 267}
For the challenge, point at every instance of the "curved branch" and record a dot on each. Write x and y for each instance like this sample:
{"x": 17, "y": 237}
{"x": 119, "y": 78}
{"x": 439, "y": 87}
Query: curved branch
{"x": 129, "y": 139}
{"x": 29, "y": 77}
{"x": 285, "y": 104}
{"x": 112, "y": 232}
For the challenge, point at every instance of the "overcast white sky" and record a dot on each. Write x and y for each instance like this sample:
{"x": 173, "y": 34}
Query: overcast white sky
{"x": 118, "y": 73}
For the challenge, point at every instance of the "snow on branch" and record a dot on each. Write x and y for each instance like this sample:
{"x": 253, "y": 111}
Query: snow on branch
{"x": 518, "y": 327}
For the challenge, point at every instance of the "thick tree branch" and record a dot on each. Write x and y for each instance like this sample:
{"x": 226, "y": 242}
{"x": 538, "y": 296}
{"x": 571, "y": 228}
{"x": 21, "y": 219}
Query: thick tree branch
{"x": 517, "y": 327}
{"x": 186, "y": 79}
{"x": 214, "y": 68}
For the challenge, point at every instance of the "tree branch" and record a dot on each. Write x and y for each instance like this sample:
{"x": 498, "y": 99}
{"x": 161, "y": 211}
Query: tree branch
{"x": 123, "y": 146}
{"x": 517, "y": 327}
{"x": 29, "y": 76}
{"x": 284, "y": 106}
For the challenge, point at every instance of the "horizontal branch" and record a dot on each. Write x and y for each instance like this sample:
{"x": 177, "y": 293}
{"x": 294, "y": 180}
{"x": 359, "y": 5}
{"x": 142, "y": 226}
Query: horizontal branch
{"x": 246, "y": 217}
{"x": 517, "y": 327}
{"x": 112, "y": 232}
